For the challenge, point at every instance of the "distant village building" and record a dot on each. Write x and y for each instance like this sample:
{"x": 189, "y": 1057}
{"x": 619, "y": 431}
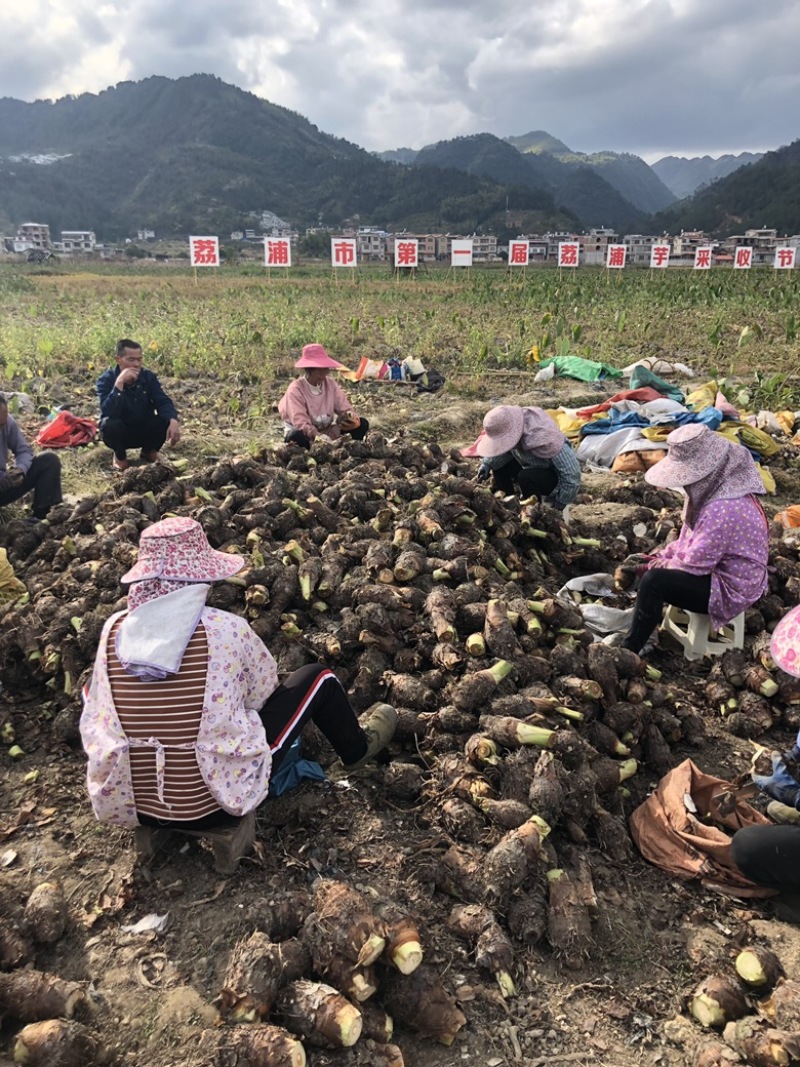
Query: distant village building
{"x": 32, "y": 235}
{"x": 594, "y": 245}
{"x": 372, "y": 244}
{"x": 80, "y": 242}
{"x": 145, "y": 235}
{"x": 637, "y": 249}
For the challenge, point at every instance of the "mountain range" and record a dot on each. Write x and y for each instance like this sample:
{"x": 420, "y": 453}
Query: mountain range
{"x": 197, "y": 155}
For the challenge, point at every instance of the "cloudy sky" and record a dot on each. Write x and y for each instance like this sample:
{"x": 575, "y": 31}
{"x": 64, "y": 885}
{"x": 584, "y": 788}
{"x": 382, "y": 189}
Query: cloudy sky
{"x": 655, "y": 77}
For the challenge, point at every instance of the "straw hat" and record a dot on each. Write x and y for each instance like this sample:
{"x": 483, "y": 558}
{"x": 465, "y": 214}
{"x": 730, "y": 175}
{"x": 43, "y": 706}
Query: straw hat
{"x": 694, "y": 453}
{"x": 177, "y": 549}
{"x": 316, "y": 356}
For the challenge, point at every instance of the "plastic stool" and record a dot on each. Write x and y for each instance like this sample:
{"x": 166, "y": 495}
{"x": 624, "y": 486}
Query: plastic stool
{"x": 228, "y": 842}
{"x": 693, "y": 631}
{"x": 565, "y": 514}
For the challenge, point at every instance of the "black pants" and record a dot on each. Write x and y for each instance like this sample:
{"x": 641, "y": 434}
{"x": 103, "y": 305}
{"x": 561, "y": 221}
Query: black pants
{"x": 312, "y": 693}
{"x": 149, "y": 435}
{"x": 769, "y": 856}
{"x": 297, "y": 437}
{"x": 660, "y": 586}
{"x": 44, "y": 478}
{"x": 532, "y": 481}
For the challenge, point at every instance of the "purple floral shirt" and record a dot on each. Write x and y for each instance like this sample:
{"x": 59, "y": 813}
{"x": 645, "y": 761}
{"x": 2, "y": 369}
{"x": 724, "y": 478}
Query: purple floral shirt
{"x": 729, "y": 541}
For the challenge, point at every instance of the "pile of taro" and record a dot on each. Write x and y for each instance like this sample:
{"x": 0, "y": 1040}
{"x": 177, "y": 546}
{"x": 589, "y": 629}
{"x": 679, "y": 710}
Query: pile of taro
{"x": 520, "y": 736}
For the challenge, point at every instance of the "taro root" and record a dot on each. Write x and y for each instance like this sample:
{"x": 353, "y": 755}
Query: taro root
{"x": 498, "y": 633}
{"x": 257, "y": 968}
{"x": 15, "y": 948}
{"x": 493, "y": 952}
{"x": 252, "y": 1046}
{"x": 59, "y": 1043}
{"x": 546, "y": 793}
{"x": 459, "y": 874}
{"x": 30, "y": 996}
{"x": 342, "y": 926}
{"x": 782, "y": 1007}
{"x": 527, "y": 916}
{"x": 420, "y": 1002}
{"x": 513, "y": 858}
{"x": 403, "y": 941}
{"x": 461, "y": 820}
{"x": 715, "y": 1054}
{"x": 318, "y": 1013}
{"x": 717, "y": 1000}
{"x": 475, "y": 689}
{"x": 46, "y": 913}
{"x": 508, "y": 814}
{"x": 760, "y": 1045}
{"x": 569, "y": 925}
{"x": 759, "y": 967}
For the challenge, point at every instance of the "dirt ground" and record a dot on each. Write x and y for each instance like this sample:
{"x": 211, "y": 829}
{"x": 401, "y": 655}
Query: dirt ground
{"x": 151, "y": 994}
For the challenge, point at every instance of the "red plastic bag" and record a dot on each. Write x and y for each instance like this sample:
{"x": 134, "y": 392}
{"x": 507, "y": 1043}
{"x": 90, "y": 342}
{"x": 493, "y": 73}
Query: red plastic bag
{"x": 66, "y": 431}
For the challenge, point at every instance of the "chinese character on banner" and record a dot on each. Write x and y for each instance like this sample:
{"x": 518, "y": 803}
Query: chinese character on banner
{"x": 743, "y": 258}
{"x": 204, "y": 251}
{"x": 784, "y": 258}
{"x": 616, "y": 256}
{"x": 659, "y": 256}
{"x": 702, "y": 258}
{"x": 343, "y": 251}
{"x": 405, "y": 253}
{"x": 277, "y": 252}
{"x": 568, "y": 253}
{"x": 518, "y": 253}
{"x": 461, "y": 253}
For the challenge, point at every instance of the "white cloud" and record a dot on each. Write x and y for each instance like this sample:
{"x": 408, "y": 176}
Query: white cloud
{"x": 649, "y": 76}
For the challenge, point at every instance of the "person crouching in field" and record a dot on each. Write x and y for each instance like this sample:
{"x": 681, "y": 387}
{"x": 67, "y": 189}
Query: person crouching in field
{"x": 718, "y": 564}
{"x": 135, "y": 412}
{"x": 523, "y": 448}
{"x": 28, "y": 473}
{"x": 184, "y": 720}
{"x": 315, "y": 404}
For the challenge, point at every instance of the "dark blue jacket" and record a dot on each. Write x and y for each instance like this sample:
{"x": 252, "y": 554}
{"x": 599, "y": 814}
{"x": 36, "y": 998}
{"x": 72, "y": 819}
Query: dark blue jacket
{"x": 136, "y": 403}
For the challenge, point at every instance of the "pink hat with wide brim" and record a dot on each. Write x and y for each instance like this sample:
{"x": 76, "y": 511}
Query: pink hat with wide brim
{"x": 502, "y": 429}
{"x": 785, "y": 644}
{"x": 694, "y": 453}
{"x": 316, "y": 356}
{"x": 177, "y": 549}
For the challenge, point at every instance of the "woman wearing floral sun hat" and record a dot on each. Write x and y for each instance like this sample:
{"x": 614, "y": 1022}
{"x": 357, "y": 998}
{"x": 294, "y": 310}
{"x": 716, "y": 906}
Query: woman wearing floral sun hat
{"x": 315, "y": 404}
{"x": 184, "y": 720}
{"x": 718, "y": 564}
{"x": 770, "y": 855}
{"x": 523, "y": 447}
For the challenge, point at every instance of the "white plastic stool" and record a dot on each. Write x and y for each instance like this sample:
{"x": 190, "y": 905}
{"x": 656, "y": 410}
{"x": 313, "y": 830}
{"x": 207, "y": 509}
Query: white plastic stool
{"x": 693, "y": 631}
{"x": 565, "y": 514}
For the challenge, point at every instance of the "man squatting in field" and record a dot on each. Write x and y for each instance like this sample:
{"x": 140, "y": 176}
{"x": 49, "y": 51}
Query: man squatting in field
{"x": 523, "y": 447}
{"x": 135, "y": 412}
{"x": 42, "y": 473}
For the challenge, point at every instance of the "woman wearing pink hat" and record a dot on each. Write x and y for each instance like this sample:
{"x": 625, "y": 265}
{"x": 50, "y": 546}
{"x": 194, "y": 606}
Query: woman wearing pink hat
{"x": 524, "y": 447}
{"x": 770, "y": 855}
{"x": 316, "y": 404}
{"x": 185, "y": 721}
{"x": 718, "y": 564}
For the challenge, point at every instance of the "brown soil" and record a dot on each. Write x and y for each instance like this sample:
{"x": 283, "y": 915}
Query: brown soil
{"x": 150, "y": 995}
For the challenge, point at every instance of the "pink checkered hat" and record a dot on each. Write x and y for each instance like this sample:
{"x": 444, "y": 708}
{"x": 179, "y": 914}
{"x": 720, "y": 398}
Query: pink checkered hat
{"x": 785, "y": 644}
{"x": 177, "y": 549}
{"x": 694, "y": 453}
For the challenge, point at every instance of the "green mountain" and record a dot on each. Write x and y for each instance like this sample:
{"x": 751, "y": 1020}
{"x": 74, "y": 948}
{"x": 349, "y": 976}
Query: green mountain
{"x": 576, "y": 189}
{"x": 625, "y": 172}
{"x": 685, "y": 176}
{"x": 539, "y": 141}
{"x": 197, "y": 155}
{"x": 762, "y": 194}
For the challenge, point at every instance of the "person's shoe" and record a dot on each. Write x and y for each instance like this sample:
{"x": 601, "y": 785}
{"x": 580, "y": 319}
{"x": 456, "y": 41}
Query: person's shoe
{"x": 120, "y": 465}
{"x": 379, "y": 724}
{"x": 786, "y": 907}
{"x": 613, "y": 640}
{"x": 783, "y": 813}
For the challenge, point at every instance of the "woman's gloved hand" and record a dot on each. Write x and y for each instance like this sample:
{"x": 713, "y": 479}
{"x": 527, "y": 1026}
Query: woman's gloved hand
{"x": 781, "y": 784}
{"x": 484, "y": 472}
